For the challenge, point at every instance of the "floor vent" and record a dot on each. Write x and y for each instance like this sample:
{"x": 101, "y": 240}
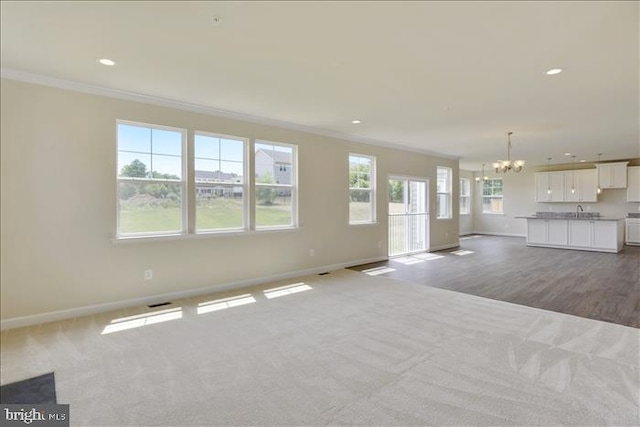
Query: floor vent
{"x": 159, "y": 304}
{"x": 323, "y": 274}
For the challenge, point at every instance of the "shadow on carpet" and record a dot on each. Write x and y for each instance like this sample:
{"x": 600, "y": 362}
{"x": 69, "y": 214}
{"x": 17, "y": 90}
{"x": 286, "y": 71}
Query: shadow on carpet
{"x": 36, "y": 390}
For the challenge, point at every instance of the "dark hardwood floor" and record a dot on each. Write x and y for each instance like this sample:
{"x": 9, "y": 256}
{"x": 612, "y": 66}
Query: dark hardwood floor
{"x": 595, "y": 285}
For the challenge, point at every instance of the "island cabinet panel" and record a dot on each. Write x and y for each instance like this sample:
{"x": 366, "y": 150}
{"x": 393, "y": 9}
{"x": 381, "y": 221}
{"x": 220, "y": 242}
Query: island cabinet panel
{"x": 603, "y": 235}
{"x": 580, "y": 234}
{"x": 546, "y": 232}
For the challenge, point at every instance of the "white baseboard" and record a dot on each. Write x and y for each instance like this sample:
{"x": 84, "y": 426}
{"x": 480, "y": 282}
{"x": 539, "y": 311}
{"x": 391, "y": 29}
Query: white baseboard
{"x": 443, "y": 247}
{"x": 491, "y": 233}
{"x": 36, "y": 319}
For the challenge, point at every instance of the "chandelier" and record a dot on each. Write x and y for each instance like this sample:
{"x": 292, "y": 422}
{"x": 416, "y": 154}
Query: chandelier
{"x": 504, "y": 166}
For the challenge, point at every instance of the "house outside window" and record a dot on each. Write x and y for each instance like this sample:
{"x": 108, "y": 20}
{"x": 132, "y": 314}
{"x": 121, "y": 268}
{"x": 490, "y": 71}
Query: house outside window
{"x": 465, "y": 196}
{"x": 220, "y": 182}
{"x": 275, "y": 185}
{"x": 443, "y": 192}
{"x": 361, "y": 189}
{"x": 150, "y": 178}
{"x": 492, "y": 196}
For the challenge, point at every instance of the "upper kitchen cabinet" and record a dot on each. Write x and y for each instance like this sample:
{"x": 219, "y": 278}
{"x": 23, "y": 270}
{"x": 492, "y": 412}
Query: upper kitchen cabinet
{"x": 550, "y": 186}
{"x": 633, "y": 184}
{"x": 612, "y": 175}
{"x": 557, "y": 186}
{"x": 581, "y": 186}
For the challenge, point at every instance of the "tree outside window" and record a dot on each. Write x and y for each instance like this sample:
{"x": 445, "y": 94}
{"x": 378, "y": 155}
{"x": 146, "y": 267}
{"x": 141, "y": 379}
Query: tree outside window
{"x": 492, "y": 196}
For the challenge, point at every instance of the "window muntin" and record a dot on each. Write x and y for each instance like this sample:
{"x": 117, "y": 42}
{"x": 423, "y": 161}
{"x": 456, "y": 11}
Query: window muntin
{"x": 443, "y": 192}
{"x": 465, "y": 196}
{"x": 275, "y": 185}
{"x": 361, "y": 189}
{"x": 151, "y": 189}
{"x": 220, "y": 184}
{"x": 492, "y": 196}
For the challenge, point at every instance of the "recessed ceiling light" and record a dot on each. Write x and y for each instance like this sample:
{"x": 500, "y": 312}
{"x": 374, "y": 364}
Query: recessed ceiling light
{"x": 107, "y": 61}
{"x": 567, "y": 154}
{"x": 554, "y": 71}
{"x": 356, "y": 122}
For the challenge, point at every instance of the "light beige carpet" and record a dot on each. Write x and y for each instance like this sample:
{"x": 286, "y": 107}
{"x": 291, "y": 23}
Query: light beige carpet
{"x": 344, "y": 348}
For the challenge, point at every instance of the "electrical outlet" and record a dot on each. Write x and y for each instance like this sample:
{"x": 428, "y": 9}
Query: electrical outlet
{"x": 379, "y": 243}
{"x": 312, "y": 252}
{"x": 148, "y": 274}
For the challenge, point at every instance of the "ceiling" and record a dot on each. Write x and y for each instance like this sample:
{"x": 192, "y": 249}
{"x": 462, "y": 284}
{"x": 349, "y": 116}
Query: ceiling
{"x": 440, "y": 77}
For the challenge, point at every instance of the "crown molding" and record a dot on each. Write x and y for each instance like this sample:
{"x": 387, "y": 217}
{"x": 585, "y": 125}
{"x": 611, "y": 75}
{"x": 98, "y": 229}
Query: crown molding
{"x": 23, "y": 76}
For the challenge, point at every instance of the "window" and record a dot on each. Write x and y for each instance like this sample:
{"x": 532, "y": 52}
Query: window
{"x": 220, "y": 184}
{"x": 465, "y": 196}
{"x": 276, "y": 185}
{"x": 151, "y": 186}
{"x": 492, "y": 196}
{"x": 361, "y": 189}
{"x": 443, "y": 192}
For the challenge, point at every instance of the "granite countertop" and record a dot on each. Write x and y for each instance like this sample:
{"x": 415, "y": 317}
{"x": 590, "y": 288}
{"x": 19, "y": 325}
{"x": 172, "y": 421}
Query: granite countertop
{"x": 633, "y": 215}
{"x": 581, "y": 218}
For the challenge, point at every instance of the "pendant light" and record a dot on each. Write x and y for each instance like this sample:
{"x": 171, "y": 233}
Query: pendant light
{"x": 599, "y": 190}
{"x": 548, "y": 175}
{"x": 573, "y": 175}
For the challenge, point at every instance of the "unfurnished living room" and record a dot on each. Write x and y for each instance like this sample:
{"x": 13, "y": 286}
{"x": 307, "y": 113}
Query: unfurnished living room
{"x": 320, "y": 213}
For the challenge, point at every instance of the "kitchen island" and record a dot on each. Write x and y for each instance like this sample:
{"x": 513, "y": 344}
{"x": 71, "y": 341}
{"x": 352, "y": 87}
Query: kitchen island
{"x": 568, "y": 230}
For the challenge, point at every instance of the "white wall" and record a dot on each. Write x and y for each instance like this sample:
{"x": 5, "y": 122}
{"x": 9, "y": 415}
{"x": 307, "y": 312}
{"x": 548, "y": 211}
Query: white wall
{"x": 519, "y": 200}
{"x": 58, "y": 207}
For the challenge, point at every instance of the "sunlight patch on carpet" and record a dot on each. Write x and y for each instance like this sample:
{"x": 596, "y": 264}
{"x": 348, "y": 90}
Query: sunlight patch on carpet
{"x": 286, "y": 290}
{"x": 137, "y": 321}
{"x": 224, "y": 303}
{"x": 378, "y": 271}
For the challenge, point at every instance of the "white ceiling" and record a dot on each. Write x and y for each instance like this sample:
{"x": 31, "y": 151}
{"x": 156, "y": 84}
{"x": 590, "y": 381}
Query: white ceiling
{"x": 441, "y": 77}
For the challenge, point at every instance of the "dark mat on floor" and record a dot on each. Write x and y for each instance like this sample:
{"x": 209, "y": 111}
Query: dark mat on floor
{"x": 41, "y": 389}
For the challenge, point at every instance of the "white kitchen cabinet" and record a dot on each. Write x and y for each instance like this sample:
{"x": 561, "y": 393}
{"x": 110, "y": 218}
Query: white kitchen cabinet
{"x": 632, "y": 233}
{"x": 582, "y": 234}
{"x": 596, "y": 235}
{"x": 584, "y": 184}
{"x": 550, "y": 186}
{"x": 612, "y": 175}
{"x": 606, "y": 236}
{"x": 547, "y": 232}
{"x": 633, "y": 184}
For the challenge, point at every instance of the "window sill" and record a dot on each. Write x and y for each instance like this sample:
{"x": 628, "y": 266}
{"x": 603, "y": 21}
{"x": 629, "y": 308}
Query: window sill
{"x": 201, "y": 235}
{"x": 493, "y": 213}
{"x": 364, "y": 224}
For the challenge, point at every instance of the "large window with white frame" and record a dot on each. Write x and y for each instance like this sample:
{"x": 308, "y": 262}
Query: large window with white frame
{"x": 465, "y": 196}
{"x": 492, "y": 196}
{"x": 361, "y": 189}
{"x": 151, "y": 184}
{"x": 275, "y": 185}
{"x": 443, "y": 192}
{"x": 220, "y": 182}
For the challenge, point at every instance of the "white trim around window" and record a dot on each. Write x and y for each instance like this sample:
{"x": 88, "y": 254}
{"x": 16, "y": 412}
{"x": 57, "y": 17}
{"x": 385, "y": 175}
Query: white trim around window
{"x": 362, "y": 189}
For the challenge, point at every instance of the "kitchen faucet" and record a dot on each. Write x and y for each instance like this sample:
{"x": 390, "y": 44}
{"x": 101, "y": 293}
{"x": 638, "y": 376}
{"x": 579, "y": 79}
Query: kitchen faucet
{"x": 578, "y": 213}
